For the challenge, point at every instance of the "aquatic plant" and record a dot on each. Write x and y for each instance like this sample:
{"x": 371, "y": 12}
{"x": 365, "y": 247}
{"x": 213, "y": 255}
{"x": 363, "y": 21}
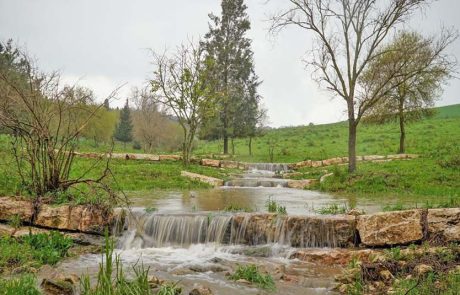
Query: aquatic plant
{"x": 332, "y": 209}
{"x": 252, "y": 274}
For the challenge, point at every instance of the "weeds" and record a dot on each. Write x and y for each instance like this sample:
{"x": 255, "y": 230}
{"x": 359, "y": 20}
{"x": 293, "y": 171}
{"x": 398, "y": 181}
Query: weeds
{"x": 274, "y": 207}
{"x": 170, "y": 289}
{"x": 252, "y": 274}
{"x": 237, "y": 208}
{"x": 24, "y": 285}
{"x": 332, "y": 209}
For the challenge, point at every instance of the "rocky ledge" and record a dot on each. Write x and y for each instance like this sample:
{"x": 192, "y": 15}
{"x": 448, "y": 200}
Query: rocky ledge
{"x": 78, "y": 218}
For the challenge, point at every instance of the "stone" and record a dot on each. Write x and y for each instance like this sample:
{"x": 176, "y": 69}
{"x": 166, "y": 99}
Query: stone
{"x": 243, "y": 281}
{"x": 333, "y": 256}
{"x": 200, "y": 290}
{"x": 57, "y": 287}
{"x": 300, "y": 184}
{"x": 16, "y": 206}
{"x": 170, "y": 158}
{"x": 373, "y": 158}
{"x": 144, "y": 157}
{"x": 203, "y": 178}
{"x": 155, "y": 282}
{"x": 315, "y": 164}
{"x": 386, "y": 275}
{"x": 302, "y": 164}
{"x": 325, "y": 176}
{"x": 390, "y": 228}
{"x": 210, "y": 163}
{"x": 333, "y": 161}
{"x": 422, "y": 269}
{"x": 444, "y": 223}
{"x": 355, "y": 212}
{"x": 229, "y": 164}
{"x": 74, "y": 218}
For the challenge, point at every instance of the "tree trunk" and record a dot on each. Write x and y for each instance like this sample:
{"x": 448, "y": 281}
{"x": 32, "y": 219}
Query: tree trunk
{"x": 351, "y": 145}
{"x": 250, "y": 146}
{"x": 402, "y": 138}
{"x": 233, "y": 147}
{"x": 225, "y": 143}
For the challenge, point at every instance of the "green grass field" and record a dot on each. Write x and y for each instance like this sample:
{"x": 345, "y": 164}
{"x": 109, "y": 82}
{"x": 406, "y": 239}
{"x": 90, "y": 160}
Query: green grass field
{"x": 319, "y": 142}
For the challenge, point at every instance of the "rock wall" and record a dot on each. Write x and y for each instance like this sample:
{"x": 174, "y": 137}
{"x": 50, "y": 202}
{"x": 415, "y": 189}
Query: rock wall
{"x": 203, "y": 178}
{"x": 78, "y": 218}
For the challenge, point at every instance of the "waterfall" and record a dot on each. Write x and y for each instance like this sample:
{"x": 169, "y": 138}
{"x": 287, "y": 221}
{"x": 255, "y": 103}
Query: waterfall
{"x": 159, "y": 230}
{"x": 257, "y": 182}
{"x": 273, "y": 167}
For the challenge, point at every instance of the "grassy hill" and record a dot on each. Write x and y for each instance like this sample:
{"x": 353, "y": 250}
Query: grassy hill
{"x": 294, "y": 144}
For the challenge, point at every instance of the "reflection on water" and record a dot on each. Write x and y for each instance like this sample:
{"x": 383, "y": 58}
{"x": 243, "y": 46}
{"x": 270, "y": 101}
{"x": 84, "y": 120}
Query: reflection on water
{"x": 298, "y": 202}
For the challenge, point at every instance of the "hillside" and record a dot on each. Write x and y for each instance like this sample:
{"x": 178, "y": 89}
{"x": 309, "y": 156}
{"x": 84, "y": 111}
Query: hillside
{"x": 293, "y": 144}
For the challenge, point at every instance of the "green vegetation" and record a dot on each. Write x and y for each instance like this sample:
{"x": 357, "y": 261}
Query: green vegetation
{"x": 319, "y": 142}
{"x": 169, "y": 289}
{"x": 32, "y": 251}
{"x": 237, "y": 208}
{"x": 112, "y": 280}
{"x": 415, "y": 270}
{"x": 332, "y": 209}
{"x": 24, "y": 285}
{"x": 252, "y": 274}
{"x": 274, "y": 207}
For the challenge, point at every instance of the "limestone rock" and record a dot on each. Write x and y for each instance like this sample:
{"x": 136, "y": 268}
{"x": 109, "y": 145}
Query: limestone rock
{"x": 373, "y": 158}
{"x": 333, "y": 256}
{"x": 315, "y": 164}
{"x": 210, "y": 163}
{"x": 145, "y": 157}
{"x": 422, "y": 269}
{"x": 303, "y": 164}
{"x": 170, "y": 158}
{"x": 206, "y": 179}
{"x": 57, "y": 287}
{"x": 300, "y": 184}
{"x": 444, "y": 223}
{"x": 333, "y": 161}
{"x": 15, "y": 206}
{"x": 325, "y": 176}
{"x": 200, "y": 290}
{"x": 390, "y": 228}
{"x": 229, "y": 164}
{"x": 355, "y": 212}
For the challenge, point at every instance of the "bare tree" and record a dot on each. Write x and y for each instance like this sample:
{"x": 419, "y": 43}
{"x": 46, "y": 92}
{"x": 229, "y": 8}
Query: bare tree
{"x": 179, "y": 84}
{"x": 412, "y": 92}
{"x": 45, "y": 120}
{"x": 348, "y": 35}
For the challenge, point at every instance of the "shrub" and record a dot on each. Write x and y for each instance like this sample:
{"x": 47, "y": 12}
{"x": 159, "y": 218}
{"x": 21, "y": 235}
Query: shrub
{"x": 252, "y": 274}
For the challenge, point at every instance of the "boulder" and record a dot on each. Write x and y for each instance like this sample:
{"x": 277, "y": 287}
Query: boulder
{"x": 300, "y": 184}
{"x": 390, "y": 228}
{"x": 74, "y": 218}
{"x": 57, "y": 287}
{"x": 444, "y": 224}
{"x": 333, "y": 256}
{"x": 203, "y": 178}
{"x": 15, "y": 206}
{"x": 210, "y": 163}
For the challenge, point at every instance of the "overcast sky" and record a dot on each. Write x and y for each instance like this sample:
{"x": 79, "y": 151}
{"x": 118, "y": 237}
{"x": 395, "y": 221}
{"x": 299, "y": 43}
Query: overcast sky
{"x": 102, "y": 44}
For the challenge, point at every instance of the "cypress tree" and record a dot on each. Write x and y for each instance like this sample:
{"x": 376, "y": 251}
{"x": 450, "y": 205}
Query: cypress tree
{"x": 234, "y": 79}
{"x": 124, "y": 130}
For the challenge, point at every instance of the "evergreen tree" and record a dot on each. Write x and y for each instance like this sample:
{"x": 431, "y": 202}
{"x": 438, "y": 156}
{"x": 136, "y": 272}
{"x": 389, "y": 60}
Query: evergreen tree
{"x": 107, "y": 104}
{"x": 234, "y": 81}
{"x": 124, "y": 129}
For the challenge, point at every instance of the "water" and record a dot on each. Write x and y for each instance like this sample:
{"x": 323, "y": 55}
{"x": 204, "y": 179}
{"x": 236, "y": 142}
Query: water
{"x": 185, "y": 236}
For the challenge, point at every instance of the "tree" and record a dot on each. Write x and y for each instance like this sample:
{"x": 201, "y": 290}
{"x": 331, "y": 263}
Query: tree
{"x": 413, "y": 91}
{"x": 234, "y": 82}
{"x": 124, "y": 129}
{"x": 45, "y": 120}
{"x": 348, "y": 36}
{"x": 179, "y": 84}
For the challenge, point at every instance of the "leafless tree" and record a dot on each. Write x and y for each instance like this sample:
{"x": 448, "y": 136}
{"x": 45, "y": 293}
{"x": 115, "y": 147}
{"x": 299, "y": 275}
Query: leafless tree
{"x": 45, "y": 121}
{"x": 179, "y": 85}
{"x": 348, "y": 35}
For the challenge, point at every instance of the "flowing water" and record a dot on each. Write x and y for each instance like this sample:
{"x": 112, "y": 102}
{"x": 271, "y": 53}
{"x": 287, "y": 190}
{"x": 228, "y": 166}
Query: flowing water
{"x": 186, "y": 237}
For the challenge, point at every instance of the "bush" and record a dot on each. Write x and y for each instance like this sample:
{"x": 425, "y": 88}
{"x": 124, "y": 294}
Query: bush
{"x": 252, "y": 274}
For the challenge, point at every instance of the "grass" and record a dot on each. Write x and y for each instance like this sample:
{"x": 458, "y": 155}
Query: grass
{"x": 332, "y": 209}
{"x": 252, "y": 274}
{"x": 237, "y": 208}
{"x": 318, "y": 142}
{"x": 24, "y": 285}
{"x": 111, "y": 279}
{"x": 32, "y": 251}
{"x": 274, "y": 207}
